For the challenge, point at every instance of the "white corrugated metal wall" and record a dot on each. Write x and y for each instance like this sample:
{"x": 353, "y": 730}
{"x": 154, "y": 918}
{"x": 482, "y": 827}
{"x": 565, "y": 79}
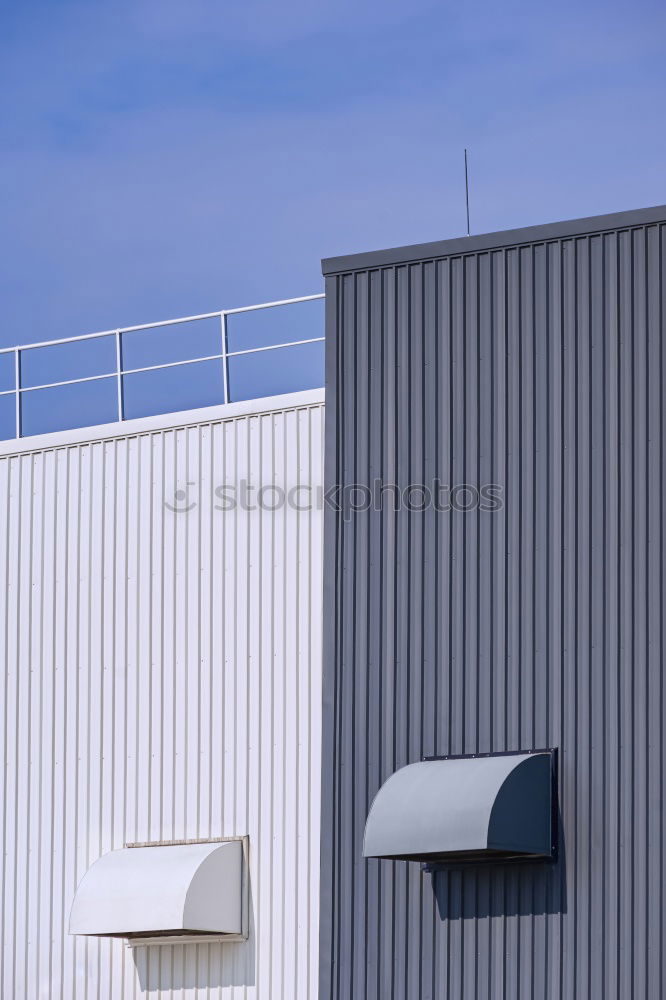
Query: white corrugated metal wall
{"x": 162, "y": 681}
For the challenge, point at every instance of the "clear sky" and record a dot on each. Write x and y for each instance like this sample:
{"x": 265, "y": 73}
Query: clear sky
{"x": 169, "y": 157}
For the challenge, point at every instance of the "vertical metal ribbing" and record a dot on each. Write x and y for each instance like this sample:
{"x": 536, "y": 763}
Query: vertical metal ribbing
{"x": 17, "y": 390}
{"x": 216, "y": 618}
{"x": 119, "y": 376}
{"x": 225, "y": 358}
{"x": 537, "y": 368}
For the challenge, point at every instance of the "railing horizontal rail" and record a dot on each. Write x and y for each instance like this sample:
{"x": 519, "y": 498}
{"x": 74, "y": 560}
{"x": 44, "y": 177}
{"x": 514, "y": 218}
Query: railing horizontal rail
{"x": 160, "y": 323}
{"x": 274, "y": 347}
{"x": 67, "y": 381}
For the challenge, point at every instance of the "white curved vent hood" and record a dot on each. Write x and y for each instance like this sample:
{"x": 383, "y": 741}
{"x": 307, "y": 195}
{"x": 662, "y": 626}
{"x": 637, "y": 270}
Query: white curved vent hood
{"x": 162, "y": 891}
{"x": 466, "y": 809}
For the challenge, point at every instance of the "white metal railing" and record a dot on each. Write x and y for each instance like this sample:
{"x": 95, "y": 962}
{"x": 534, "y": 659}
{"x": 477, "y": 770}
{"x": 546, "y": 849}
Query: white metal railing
{"x": 120, "y": 371}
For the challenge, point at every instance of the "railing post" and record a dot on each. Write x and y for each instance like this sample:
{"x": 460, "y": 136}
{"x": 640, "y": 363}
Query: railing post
{"x": 17, "y": 391}
{"x": 119, "y": 376}
{"x": 225, "y": 352}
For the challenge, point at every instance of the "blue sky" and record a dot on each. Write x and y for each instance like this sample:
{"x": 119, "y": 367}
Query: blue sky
{"x": 164, "y": 158}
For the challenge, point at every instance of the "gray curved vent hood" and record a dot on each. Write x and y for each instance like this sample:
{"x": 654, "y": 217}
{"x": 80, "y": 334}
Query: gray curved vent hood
{"x": 465, "y": 809}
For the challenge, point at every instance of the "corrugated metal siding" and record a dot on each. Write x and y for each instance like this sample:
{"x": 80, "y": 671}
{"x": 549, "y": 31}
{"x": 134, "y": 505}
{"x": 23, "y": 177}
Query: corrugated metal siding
{"x": 162, "y": 681}
{"x": 539, "y": 367}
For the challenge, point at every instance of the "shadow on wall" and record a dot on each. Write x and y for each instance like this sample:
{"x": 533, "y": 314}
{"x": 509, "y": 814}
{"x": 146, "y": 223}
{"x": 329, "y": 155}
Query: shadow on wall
{"x": 198, "y": 966}
{"x": 503, "y": 890}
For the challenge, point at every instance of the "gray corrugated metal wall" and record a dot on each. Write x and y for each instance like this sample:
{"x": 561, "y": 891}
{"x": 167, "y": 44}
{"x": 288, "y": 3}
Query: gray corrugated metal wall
{"x": 162, "y": 680}
{"x": 539, "y": 367}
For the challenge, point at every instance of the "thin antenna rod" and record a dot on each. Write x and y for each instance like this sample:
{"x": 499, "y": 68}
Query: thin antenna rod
{"x": 467, "y": 192}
